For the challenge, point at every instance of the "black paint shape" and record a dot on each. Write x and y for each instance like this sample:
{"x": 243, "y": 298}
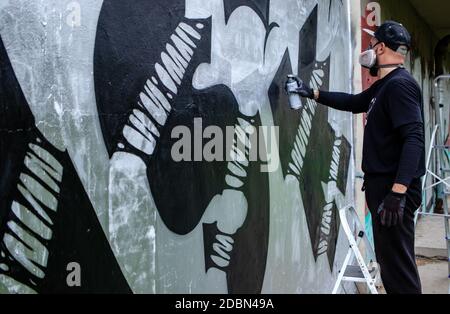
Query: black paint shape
{"x": 344, "y": 163}
{"x": 182, "y": 202}
{"x": 261, "y": 7}
{"x": 287, "y": 119}
{"x": 210, "y": 231}
{"x": 333, "y": 236}
{"x": 137, "y": 50}
{"x": 135, "y": 30}
{"x": 317, "y": 161}
{"x": 316, "y": 166}
{"x": 130, "y": 39}
{"x": 252, "y": 239}
{"x": 245, "y": 273}
{"x": 77, "y": 235}
{"x": 316, "y": 169}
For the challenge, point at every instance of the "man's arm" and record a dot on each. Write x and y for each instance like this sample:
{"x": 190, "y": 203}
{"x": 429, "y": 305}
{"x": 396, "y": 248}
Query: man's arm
{"x": 345, "y": 102}
{"x": 405, "y": 112}
{"x": 413, "y": 144}
{"x": 341, "y": 101}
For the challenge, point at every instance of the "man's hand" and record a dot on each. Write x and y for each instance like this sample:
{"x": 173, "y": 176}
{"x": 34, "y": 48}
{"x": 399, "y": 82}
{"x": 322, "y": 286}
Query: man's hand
{"x": 303, "y": 90}
{"x": 392, "y": 209}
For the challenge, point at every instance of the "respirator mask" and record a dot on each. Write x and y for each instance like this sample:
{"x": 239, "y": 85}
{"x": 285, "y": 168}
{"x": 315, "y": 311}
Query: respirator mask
{"x": 368, "y": 60}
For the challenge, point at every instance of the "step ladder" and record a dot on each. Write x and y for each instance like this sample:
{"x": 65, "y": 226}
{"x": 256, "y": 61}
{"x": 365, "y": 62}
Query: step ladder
{"x": 441, "y": 178}
{"x": 357, "y": 272}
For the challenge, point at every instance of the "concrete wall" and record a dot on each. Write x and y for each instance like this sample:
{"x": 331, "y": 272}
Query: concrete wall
{"x": 90, "y": 93}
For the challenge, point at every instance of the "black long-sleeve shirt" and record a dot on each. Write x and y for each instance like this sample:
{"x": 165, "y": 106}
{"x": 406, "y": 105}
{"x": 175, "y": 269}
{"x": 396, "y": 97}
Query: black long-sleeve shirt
{"x": 394, "y": 137}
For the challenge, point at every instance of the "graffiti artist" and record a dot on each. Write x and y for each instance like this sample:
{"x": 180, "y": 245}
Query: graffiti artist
{"x": 393, "y": 152}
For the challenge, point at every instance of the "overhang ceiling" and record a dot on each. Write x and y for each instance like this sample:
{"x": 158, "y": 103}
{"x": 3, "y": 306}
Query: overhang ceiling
{"x": 436, "y": 13}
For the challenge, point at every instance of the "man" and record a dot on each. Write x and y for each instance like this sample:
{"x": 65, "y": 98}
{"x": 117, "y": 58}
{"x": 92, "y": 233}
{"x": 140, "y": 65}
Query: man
{"x": 393, "y": 153}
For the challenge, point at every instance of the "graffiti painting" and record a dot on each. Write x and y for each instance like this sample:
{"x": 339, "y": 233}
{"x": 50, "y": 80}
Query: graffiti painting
{"x": 175, "y": 226}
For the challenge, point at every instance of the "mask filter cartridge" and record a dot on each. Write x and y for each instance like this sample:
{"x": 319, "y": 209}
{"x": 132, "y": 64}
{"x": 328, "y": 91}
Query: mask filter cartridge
{"x": 368, "y": 58}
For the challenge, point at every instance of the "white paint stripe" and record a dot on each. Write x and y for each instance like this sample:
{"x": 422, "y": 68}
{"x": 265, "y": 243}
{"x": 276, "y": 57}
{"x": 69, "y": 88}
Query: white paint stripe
{"x": 31, "y": 221}
{"x": 306, "y": 119}
{"x": 301, "y": 145}
{"x": 304, "y": 135}
{"x": 297, "y": 160}
{"x": 236, "y": 170}
{"x": 37, "y": 254}
{"x": 157, "y": 112}
{"x": 312, "y": 106}
{"x": 185, "y": 37}
{"x": 55, "y": 175}
{"x": 242, "y": 142}
{"x": 140, "y": 127}
{"x": 139, "y": 141}
{"x": 49, "y": 159}
{"x": 218, "y": 248}
{"x": 233, "y": 182}
{"x": 188, "y": 29}
{"x": 182, "y": 47}
{"x": 34, "y": 203}
{"x": 237, "y": 155}
{"x": 226, "y": 241}
{"x": 326, "y": 231}
{"x": 317, "y": 77}
{"x": 174, "y": 71}
{"x": 220, "y": 261}
{"x": 165, "y": 78}
{"x": 176, "y": 57}
{"x": 34, "y": 166}
{"x": 298, "y": 154}
{"x": 154, "y": 91}
{"x": 145, "y": 121}
{"x": 20, "y": 253}
{"x": 39, "y": 192}
{"x": 294, "y": 169}
{"x": 323, "y": 248}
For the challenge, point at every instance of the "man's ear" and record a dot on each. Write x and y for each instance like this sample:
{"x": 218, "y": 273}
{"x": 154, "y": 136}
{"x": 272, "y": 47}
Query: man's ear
{"x": 382, "y": 48}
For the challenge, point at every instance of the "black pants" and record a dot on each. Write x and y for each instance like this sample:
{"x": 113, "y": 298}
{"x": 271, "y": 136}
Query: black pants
{"x": 394, "y": 246}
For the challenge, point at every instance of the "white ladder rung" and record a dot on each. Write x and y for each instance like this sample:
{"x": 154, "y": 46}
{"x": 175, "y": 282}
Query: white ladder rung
{"x": 356, "y": 272}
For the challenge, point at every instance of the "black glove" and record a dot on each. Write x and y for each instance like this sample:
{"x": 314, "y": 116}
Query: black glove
{"x": 392, "y": 209}
{"x": 303, "y": 90}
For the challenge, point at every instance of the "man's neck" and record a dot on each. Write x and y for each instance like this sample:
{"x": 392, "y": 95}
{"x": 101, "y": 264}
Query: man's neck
{"x": 385, "y": 71}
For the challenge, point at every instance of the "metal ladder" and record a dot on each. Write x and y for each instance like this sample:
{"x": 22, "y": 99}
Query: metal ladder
{"x": 442, "y": 175}
{"x": 360, "y": 272}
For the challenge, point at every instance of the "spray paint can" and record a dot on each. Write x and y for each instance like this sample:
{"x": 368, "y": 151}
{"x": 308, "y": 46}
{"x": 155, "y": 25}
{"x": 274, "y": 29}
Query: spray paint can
{"x": 294, "y": 99}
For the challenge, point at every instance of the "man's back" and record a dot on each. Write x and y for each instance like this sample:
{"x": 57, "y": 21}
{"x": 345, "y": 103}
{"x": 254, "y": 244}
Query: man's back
{"x": 395, "y": 105}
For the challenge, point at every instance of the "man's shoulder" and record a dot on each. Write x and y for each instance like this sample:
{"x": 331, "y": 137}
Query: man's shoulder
{"x": 403, "y": 80}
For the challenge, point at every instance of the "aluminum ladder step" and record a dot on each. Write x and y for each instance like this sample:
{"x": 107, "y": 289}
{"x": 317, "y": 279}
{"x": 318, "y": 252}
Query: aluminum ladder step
{"x": 355, "y": 272}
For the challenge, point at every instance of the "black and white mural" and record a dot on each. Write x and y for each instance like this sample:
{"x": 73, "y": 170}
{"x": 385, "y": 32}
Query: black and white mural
{"x": 47, "y": 221}
{"x": 92, "y": 93}
{"x": 144, "y": 90}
